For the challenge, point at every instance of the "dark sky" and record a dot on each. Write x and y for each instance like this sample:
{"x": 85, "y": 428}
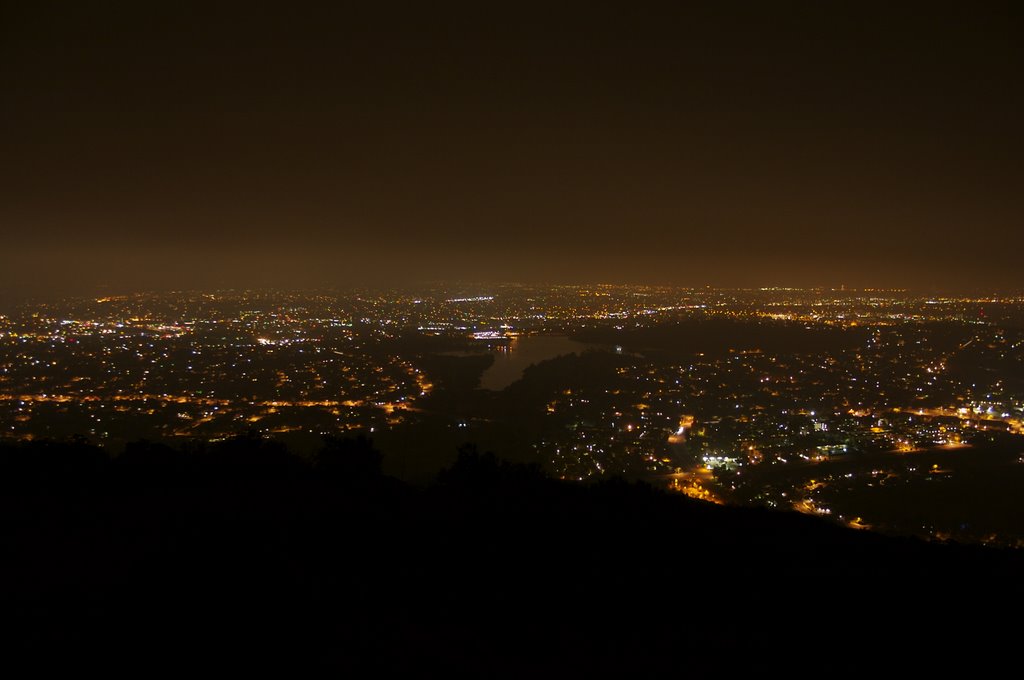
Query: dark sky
{"x": 151, "y": 145}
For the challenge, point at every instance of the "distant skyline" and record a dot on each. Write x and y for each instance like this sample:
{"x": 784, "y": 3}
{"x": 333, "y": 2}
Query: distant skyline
{"x": 13, "y": 301}
{"x": 790, "y": 144}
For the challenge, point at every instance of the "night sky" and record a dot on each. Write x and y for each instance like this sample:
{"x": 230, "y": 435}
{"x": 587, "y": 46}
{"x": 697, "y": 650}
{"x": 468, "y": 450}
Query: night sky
{"x": 163, "y": 145}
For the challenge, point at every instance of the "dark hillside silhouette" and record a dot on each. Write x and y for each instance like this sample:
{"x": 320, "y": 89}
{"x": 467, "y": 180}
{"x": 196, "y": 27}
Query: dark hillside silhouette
{"x": 237, "y": 556}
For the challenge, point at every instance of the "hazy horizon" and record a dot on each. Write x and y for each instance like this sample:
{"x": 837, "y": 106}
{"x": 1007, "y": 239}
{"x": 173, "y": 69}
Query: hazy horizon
{"x": 796, "y": 145}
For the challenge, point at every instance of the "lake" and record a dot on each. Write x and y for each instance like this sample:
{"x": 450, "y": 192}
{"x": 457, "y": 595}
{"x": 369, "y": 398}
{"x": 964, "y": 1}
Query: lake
{"x": 525, "y": 351}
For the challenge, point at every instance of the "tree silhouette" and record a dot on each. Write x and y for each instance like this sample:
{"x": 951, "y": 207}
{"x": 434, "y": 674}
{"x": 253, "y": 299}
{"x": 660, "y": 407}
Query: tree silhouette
{"x": 349, "y": 459}
{"x": 73, "y": 463}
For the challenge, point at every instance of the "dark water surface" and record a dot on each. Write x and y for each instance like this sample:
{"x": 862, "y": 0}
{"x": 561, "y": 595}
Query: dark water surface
{"x": 509, "y": 363}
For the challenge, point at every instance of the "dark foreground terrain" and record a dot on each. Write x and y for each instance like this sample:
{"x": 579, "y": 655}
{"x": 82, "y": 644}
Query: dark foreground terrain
{"x": 238, "y": 556}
